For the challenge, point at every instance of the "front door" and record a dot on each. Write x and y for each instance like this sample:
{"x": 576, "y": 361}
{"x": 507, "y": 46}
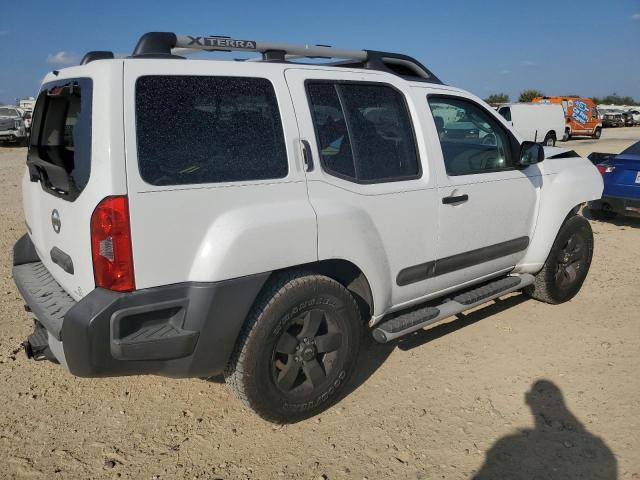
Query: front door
{"x": 487, "y": 207}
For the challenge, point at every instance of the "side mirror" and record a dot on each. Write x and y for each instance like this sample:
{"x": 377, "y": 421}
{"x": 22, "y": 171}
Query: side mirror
{"x": 530, "y": 154}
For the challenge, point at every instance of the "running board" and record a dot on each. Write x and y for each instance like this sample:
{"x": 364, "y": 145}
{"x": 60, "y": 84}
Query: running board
{"x": 406, "y": 323}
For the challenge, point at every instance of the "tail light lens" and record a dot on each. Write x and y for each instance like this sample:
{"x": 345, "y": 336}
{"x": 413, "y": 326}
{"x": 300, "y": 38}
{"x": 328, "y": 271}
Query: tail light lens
{"x": 111, "y": 245}
{"x": 605, "y": 168}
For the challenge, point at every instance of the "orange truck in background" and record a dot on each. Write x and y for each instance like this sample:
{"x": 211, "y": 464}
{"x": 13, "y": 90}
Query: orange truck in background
{"x": 580, "y": 114}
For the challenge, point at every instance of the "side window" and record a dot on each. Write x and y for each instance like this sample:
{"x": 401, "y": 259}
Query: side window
{"x": 331, "y": 130}
{"x": 363, "y": 131}
{"x": 193, "y": 130}
{"x": 506, "y": 113}
{"x": 472, "y": 140}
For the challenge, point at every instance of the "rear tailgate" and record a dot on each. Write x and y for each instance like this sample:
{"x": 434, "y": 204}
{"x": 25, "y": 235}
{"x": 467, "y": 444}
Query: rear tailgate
{"x": 76, "y": 158}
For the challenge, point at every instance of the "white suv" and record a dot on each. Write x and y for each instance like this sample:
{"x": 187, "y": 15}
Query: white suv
{"x": 253, "y": 218}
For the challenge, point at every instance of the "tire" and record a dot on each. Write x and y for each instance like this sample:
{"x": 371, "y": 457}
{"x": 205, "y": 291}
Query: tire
{"x": 601, "y": 214}
{"x": 597, "y": 134}
{"x": 282, "y": 373}
{"x": 568, "y": 263}
{"x": 549, "y": 140}
{"x": 567, "y": 136}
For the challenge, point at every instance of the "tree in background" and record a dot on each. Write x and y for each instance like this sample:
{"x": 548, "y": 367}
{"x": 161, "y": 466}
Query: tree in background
{"x": 528, "y": 95}
{"x": 615, "y": 99}
{"x": 497, "y": 98}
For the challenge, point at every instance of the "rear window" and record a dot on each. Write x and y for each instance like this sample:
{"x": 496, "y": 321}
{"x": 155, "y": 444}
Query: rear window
{"x": 60, "y": 144}
{"x": 195, "y": 129}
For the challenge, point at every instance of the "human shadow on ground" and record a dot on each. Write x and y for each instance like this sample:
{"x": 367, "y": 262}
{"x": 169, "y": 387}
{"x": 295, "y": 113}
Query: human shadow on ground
{"x": 558, "y": 447}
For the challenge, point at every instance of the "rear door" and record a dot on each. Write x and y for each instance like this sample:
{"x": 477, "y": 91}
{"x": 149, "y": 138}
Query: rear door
{"x": 370, "y": 184}
{"x": 70, "y": 168}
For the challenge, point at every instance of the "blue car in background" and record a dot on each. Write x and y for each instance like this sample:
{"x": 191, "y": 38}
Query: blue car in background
{"x": 621, "y": 175}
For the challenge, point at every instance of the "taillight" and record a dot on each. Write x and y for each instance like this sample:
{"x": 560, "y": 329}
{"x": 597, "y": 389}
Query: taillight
{"x": 111, "y": 245}
{"x": 605, "y": 168}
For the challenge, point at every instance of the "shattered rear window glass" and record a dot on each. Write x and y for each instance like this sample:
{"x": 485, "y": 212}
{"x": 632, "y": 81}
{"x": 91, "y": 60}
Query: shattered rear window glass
{"x": 194, "y": 129}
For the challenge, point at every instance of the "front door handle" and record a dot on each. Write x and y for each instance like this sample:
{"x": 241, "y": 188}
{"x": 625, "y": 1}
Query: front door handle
{"x": 455, "y": 199}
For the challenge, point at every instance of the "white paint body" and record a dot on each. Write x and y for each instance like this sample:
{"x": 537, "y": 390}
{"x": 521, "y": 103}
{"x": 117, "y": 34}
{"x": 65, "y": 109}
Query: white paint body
{"x": 211, "y": 232}
{"x": 534, "y": 121}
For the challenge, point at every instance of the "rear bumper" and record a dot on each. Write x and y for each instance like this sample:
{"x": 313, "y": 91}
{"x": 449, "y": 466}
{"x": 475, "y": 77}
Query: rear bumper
{"x": 182, "y": 330}
{"x": 621, "y": 205}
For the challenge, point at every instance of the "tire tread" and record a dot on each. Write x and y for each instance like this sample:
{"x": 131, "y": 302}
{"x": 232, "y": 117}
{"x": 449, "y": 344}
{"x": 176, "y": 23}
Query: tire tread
{"x": 237, "y": 373}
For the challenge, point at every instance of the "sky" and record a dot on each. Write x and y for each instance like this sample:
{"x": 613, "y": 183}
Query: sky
{"x": 561, "y": 47}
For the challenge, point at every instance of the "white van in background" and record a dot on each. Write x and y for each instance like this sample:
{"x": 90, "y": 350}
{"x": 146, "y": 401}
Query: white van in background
{"x": 536, "y": 122}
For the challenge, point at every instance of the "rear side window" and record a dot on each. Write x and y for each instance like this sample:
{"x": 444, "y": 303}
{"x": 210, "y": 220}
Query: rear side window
{"x": 60, "y": 144}
{"x": 193, "y": 130}
{"x": 363, "y": 131}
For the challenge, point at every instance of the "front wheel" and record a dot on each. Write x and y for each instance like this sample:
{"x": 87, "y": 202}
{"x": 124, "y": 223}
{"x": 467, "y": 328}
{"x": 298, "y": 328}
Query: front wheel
{"x": 297, "y": 349}
{"x": 566, "y": 267}
{"x": 566, "y": 136}
{"x": 597, "y": 134}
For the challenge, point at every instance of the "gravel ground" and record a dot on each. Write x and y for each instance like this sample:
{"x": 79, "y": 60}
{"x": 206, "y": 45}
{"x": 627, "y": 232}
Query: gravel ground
{"x": 516, "y": 389}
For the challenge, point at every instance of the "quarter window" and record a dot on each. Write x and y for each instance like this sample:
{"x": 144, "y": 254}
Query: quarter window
{"x": 193, "y": 130}
{"x": 363, "y": 131}
{"x": 60, "y": 143}
{"x": 472, "y": 141}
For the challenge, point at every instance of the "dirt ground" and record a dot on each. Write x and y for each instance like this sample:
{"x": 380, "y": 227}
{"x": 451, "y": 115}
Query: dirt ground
{"x": 508, "y": 390}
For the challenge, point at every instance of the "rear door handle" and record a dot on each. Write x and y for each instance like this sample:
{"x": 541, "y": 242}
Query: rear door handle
{"x": 306, "y": 155}
{"x": 455, "y": 199}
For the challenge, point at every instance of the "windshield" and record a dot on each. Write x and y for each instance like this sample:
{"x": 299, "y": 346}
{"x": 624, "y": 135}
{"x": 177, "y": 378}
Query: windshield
{"x": 8, "y": 112}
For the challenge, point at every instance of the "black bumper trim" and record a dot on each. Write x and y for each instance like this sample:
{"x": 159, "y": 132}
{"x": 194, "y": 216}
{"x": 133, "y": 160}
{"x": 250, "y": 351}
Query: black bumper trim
{"x": 205, "y": 328}
{"x": 181, "y": 330}
{"x": 45, "y": 297}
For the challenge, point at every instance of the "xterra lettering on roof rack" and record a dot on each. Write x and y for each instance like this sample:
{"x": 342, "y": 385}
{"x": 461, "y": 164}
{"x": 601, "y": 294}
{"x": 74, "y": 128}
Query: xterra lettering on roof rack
{"x": 220, "y": 42}
{"x": 168, "y": 45}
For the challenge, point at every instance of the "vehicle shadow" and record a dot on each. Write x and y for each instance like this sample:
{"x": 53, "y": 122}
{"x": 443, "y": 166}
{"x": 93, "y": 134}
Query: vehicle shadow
{"x": 373, "y": 354}
{"x": 558, "y": 447}
{"x": 422, "y": 337}
{"x": 618, "y": 221}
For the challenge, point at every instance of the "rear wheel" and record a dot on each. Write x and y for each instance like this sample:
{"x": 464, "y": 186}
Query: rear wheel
{"x": 597, "y": 134}
{"x": 297, "y": 349}
{"x": 566, "y": 267}
{"x": 550, "y": 140}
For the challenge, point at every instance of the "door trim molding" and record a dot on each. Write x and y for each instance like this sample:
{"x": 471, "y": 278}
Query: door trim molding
{"x": 459, "y": 261}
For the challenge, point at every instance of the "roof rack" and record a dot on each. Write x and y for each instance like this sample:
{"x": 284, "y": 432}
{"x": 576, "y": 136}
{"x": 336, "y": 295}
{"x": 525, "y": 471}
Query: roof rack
{"x": 167, "y": 44}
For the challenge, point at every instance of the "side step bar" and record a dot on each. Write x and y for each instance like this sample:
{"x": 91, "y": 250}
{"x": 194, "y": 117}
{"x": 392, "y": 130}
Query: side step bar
{"x": 409, "y": 322}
